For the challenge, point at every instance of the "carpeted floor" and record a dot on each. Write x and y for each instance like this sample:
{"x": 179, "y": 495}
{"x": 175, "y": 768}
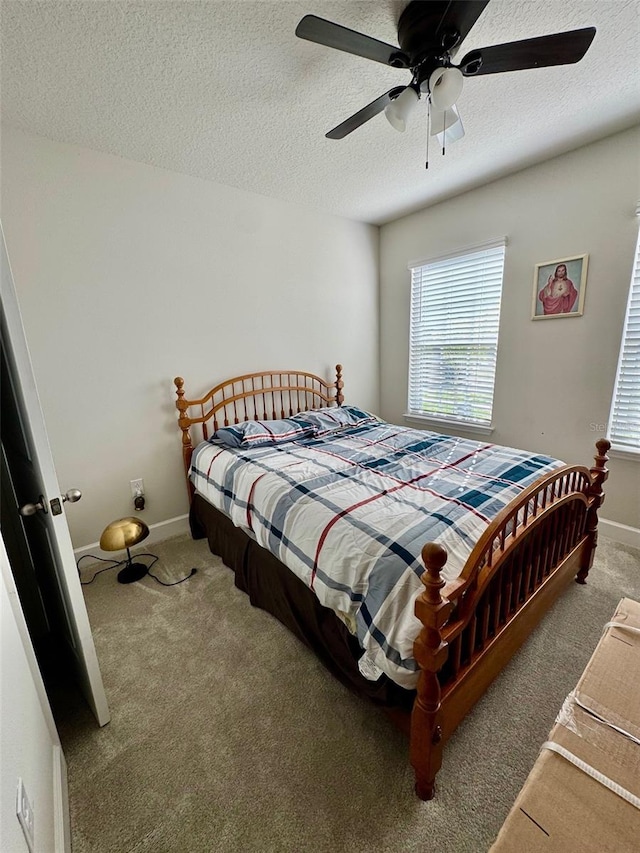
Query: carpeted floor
{"x": 227, "y": 735}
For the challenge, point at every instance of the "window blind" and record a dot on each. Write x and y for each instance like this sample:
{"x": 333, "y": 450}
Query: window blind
{"x": 453, "y": 341}
{"x": 624, "y": 423}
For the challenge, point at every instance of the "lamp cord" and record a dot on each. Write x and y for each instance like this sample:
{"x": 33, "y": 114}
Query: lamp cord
{"x": 114, "y": 564}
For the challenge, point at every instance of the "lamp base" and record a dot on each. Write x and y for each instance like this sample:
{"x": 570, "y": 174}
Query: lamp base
{"x": 132, "y": 572}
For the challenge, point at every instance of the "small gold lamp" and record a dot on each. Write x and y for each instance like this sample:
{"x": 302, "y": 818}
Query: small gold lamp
{"x": 121, "y": 534}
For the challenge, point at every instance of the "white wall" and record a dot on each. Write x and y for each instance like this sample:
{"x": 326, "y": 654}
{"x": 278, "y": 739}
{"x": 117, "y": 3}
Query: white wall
{"x": 29, "y": 742}
{"x": 555, "y": 377}
{"x": 129, "y": 275}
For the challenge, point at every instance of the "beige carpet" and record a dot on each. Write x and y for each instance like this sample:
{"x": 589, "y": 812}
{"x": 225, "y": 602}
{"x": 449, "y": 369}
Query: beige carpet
{"x": 227, "y": 735}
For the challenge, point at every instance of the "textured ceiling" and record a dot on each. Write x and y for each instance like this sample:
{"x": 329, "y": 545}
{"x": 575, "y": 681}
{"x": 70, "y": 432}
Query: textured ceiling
{"x": 225, "y": 91}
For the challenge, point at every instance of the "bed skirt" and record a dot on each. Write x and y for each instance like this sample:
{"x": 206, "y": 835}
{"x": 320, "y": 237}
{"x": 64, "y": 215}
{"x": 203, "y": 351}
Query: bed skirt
{"x": 274, "y": 588}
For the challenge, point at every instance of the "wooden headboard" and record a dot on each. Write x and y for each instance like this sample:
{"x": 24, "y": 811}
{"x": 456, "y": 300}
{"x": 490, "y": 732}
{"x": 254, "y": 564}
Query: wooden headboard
{"x": 261, "y": 396}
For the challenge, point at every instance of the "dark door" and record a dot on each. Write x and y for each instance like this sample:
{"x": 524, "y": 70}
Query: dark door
{"x": 26, "y": 541}
{"x": 38, "y": 542}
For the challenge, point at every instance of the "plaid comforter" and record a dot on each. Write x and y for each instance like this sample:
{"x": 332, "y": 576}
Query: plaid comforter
{"x": 349, "y": 512}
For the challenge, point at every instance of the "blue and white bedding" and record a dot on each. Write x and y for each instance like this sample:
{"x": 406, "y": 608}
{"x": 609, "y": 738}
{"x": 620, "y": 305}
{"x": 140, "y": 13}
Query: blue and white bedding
{"x": 303, "y": 425}
{"x": 348, "y": 511}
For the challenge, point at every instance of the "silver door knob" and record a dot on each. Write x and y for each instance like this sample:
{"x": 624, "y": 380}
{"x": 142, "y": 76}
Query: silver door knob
{"x": 32, "y": 509}
{"x": 72, "y": 496}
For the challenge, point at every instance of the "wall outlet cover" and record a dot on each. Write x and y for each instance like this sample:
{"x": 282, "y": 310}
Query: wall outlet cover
{"x": 24, "y": 812}
{"x": 137, "y": 488}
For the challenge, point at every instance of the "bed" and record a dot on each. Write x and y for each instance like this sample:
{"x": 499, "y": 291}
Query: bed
{"x": 511, "y": 534}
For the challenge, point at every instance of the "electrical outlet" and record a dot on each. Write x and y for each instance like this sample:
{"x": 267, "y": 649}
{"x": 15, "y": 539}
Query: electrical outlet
{"x": 25, "y": 815}
{"x": 137, "y": 488}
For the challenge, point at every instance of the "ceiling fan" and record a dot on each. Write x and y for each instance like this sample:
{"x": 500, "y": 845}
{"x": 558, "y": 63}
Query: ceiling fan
{"x": 429, "y": 32}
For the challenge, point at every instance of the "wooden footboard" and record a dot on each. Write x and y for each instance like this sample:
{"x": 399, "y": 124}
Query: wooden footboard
{"x": 473, "y": 625}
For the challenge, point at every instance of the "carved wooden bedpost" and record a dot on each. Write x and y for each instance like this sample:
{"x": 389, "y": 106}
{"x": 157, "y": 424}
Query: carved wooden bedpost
{"x": 339, "y": 385}
{"x": 183, "y": 423}
{"x": 430, "y": 652}
{"x": 599, "y": 474}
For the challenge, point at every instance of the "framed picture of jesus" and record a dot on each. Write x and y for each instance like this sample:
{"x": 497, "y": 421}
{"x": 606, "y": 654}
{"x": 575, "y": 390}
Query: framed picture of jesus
{"x": 558, "y": 288}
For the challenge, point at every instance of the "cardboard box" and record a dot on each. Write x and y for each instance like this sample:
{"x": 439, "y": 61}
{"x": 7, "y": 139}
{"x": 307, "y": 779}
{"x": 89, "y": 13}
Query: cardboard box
{"x": 562, "y": 807}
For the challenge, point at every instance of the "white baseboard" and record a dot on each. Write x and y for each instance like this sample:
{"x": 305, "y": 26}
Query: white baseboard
{"x": 621, "y": 533}
{"x": 157, "y": 533}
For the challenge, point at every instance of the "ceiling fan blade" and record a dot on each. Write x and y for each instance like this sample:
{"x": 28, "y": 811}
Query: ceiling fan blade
{"x": 557, "y": 49}
{"x": 459, "y": 17}
{"x": 366, "y": 113}
{"x": 325, "y": 32}
{"x": 431, "y": 28}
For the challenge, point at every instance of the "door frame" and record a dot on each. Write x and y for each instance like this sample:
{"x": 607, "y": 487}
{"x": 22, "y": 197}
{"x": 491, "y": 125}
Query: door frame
{"x": 59, "y": 789}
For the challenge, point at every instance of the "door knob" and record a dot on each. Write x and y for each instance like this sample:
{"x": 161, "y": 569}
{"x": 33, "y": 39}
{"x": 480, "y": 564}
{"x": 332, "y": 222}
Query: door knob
{"x": 72, "y": 496}
{"x": 32, "y": 509}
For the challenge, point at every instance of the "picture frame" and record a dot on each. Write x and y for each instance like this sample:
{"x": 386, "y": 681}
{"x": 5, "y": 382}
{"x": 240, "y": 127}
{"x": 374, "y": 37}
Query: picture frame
{"x": 556, "y": 294}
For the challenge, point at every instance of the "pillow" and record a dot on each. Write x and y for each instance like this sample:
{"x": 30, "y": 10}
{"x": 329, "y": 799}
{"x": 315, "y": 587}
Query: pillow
{"x": 327, "y": 420}
{"x": 255, "y": 433}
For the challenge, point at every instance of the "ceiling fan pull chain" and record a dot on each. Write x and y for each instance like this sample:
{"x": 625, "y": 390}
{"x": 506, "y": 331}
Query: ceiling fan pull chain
{"x": 426, "y": 165}
{"x": 444, "y": 132}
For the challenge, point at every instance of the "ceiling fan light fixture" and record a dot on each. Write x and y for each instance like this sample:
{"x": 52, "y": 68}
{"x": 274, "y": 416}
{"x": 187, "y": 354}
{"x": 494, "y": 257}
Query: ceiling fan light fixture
{"x": 453, "y": 131}
{"x": 399, "y": 110}
{"x": 445, "y": 86}
{"x": 442, "y": 120}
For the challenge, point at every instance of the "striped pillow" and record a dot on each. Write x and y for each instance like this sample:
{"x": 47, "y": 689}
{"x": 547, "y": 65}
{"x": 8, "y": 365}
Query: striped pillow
{"x": 327, "y": 420}
{"x": 255, "y": 433}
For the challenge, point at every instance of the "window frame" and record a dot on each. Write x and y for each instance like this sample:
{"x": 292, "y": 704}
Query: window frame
{"x": 457, "y": 421}
{"x": 617, "y": 449}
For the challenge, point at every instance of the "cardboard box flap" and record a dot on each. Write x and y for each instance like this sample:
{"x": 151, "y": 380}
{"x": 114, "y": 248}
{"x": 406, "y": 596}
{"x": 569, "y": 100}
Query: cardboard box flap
{"x": 611, "y": 755}
{"x": 627, "y": 611}
{"x": 610, "y": 683}
{"x": 593, "y": 807}
{"x": 563, "y": 809}
{"x": 610, "y": 742}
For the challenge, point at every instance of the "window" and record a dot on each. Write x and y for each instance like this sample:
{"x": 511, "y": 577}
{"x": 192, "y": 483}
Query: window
{"x": 624, "y": 423}
{"x": 453, "y": 341}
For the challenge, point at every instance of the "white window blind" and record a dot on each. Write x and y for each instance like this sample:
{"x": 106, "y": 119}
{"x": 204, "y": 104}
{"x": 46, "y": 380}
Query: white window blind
{"x": 624, "y": 423}
{"x": 455, "y": 314}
